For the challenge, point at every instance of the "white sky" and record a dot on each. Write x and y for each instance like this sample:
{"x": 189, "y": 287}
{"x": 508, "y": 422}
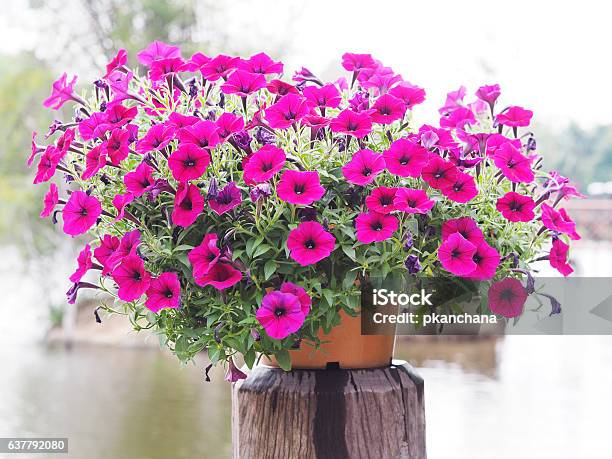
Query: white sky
{"x": 552, "y": 57}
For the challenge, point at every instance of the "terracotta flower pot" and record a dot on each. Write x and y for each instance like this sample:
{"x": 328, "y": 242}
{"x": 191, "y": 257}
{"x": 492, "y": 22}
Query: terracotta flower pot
{"x": 345, "y": 347}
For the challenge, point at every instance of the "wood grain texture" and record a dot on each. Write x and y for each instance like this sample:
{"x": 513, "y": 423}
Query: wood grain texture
{"x": 377, "y": 413}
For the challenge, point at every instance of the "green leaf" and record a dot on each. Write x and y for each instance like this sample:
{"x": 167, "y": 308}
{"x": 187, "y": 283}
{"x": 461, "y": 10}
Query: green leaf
{"x": 213, "y": 354}
{"x": 349, "y": 251}
{"x": 349, "y": 279}
{"x": 263, "y": 248}
{"x": 249, "y": 358}
{"x": 252, "y": 244}
{"x": 182, "y": 248}
{"x": 283, "y": 358}
{"x": 269, "y": 269}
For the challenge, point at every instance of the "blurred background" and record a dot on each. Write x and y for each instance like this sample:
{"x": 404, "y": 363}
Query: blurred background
{"x": 115, "y": 394}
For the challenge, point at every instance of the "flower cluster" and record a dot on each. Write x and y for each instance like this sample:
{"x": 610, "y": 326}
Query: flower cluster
{"x": 238, "y": 212}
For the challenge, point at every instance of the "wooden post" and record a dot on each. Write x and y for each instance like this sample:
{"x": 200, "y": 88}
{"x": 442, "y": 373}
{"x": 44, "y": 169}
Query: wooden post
{"x": 376, "y": 413}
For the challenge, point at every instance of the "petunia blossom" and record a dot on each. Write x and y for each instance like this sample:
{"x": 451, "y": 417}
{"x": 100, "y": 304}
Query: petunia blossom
{"x": 516, "y": 207}
{"x": 262, "y": 64}
{"x": 202, "y": 134}
{"x": 204, "y": 256}
{"x": 487, "y": 260}
{"x": 157, "y": 50}
{"x": 50, "y": 201}
{"x": 84, "y": 264}
{"x": 165, "y": 68}
{"x": 157, "y": 138}
{"x": 62, "y": 91}
{"x": 116, "y": 62}
{"x": 514, "y": 165}
{"x": 95, "y": 126}
{"x": 140, "y": 180}
{"x": 375, "y": 227}
{"x": 507, "y": 297}
{"x": 409, "y": 94}
{"x": 387, "y": 109}
{"x": 456, "y": 255}
{"x": 80, "y": 213}
{"x": 120, "y": 201}
{"x": 324, "y": 96}
{"x": 188, "y": 162}
{"x": 164, "y": 292}
{"x": 228, "y": 124}
{"x": 439, "y": 173}
{"x": 220, "y": 276}
{"x": 462, "y": 189}
{"x": 188, "y": 205}
{"x": 363, "y": 167}
{"x": 381, "y": 200}
{"x": 412, "y": 201}
{"x": 300, "y": 187}
{"x": 264, "y": 164}
{"x": 117, "y": 146}
{"x": 354, "y": 62}
{"x": 132, "y": 278}
{"x": 558, "y": 257}
{"x": 226, "y": 199}
{"x": 310, "y": 243}
{"x": 515, "y": 116}
{"x": 95, "y": 160}
{"x": 300, "y": 293}
{"x": 219, "y": 67}
{"x": 357, "y": 124}
{"x": 465, "y": 226}
{"x": 108, "y": 245}
{"x": 288, "y": 110}
{"x": 489, "y": 94}
{"x": 406, "y": 158}
{"x": 243, "y": 83}
{"x": 280, "y": 314}
{"x": 559, "y": 221}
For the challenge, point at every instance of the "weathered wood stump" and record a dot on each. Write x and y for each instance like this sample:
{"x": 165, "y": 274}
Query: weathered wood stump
{"x": 377, "y": 413}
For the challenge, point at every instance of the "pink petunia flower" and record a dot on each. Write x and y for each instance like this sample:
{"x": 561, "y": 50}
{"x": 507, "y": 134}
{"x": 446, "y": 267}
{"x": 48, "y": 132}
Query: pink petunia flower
{"x": 61, "y": 92}
{"x": 65, "y": 141}
{"x": 243, "y": 83}
{"x": 324, "y": 96}
{"x": 132, "y": 278}
{"x": 196, "y": 62}
{"x": 310, "y": 243}
{"x": 35, "y": 149}
{"x": 412, "y": 201}
{"x": 118, "y": 115}
{"x": 50, "y": 201}
{"x": 495, "y": 141}
{"x": 558, "y": 257}
{"x": 560, "y": 184}
{"x": 219, "y": 67}
{"x": 507, "y": 297}
{"x": 95, "y": 126}
{"x": 406, "y": 158}
{"x": 302, "y": 188}
{"x": 164, "y": 292}
{"x": 512, "y": 163}
{"x": 489, "y": 94}
{"x": 164, "y": 68}
{"x": 108, "y": 246}
{"x": 188, "y": 162}
{"x": 262, "y": 64}
{"x": 357, "y": 124}
{"x": 228, "y": 124}
{"x": 487, "y": 260}
{"x": 281, "y": 88}
{"x": 280, "y": 314}
{"x": 515, "y": 117}
{"x": 288, "y": 110}
{"x": 363, "y": 167}
{"x": 454, "y": 100}
{"x": 300, "y": 293}
{"x": 559, "y": 221}
{"x": 117, "y": 147}
{"x": 119, "y": 83}
{"x": 128, "y": 245}
{"x": 157, "y": 138}
{"x": 178, "y": 120}
{"x": 456, "y": 255}
{"x": 157, "y": 50}
{"x": 188, "y": 205}
{"x": 516, "y": 207}
{"x": 120, "y": 201}
{"x": 226, "y": 199}
{"x": 220, "y": 276}
{"x": 381, "y": 200}
{"x": 387, "y": 109}
{"x": 95, "y": 160}
{"x": 140, "y": 180}
{"x": 84, "y": 264}
{"x": 409, "y": 94}
{"x": 80, "y": 213}
{"x": 355, "y": 62}
{"x": 233, "y": 373}
{"x": 439, "y": 173}
{"x": 375, "y": 227}
{"x": 462, "y": 189}
{"x": 202, "y": 134}
{"x": 116, "y": 62}
{"x": 204, "y": 256}
{"x": 264, "y": 164}
{"x": 457, "y": 118}
{"x": 465, "y": 226}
